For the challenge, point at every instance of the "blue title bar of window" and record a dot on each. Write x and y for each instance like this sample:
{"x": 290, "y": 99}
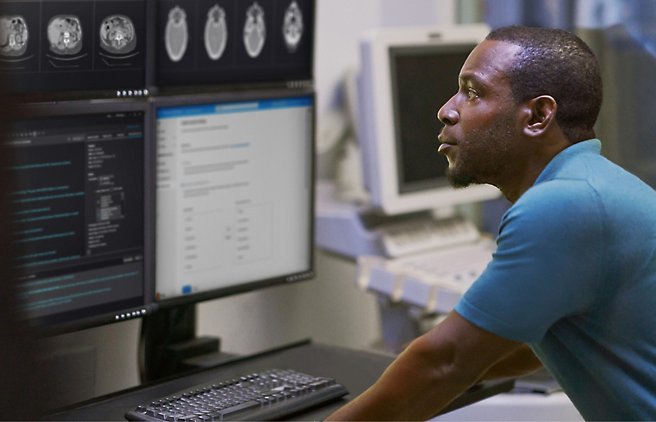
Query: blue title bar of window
{"x": 233, "y": 107}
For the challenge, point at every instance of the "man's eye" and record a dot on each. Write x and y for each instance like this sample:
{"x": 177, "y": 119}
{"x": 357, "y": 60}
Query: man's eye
{"x": 472, "y": 94}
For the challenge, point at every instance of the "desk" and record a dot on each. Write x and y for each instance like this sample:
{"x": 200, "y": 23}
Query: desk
{"x": 517, "y": 407}
{"x": 356, "y": 370}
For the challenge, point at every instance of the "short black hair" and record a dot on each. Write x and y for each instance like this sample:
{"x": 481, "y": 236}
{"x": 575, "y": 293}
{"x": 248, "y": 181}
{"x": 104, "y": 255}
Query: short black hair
{"x": 556, "y": 62}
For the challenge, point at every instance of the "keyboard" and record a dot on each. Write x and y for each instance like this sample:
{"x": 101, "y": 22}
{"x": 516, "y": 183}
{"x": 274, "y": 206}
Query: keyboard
{"x": 266, "y": 395}
{"x": 433, "y": 280}
{"x": 424, "y": 234}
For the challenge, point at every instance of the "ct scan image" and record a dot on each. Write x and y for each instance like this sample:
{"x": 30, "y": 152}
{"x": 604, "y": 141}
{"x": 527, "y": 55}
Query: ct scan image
{"x": 14, "y": 36}
{"x": 20, "y": 34}
{"x": 216, "y": 32}
{"x": 292, "y": 27}
{"x": 117, "y": 35}
{"x": 254, "y": 30}
{"x": 176, "y": 35}
{"x": 65, "y": 35}
{"x": 120, "y": 35}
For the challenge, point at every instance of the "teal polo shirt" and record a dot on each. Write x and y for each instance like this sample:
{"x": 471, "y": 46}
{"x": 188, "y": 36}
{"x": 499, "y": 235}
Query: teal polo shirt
{"x": 574, "y": 276}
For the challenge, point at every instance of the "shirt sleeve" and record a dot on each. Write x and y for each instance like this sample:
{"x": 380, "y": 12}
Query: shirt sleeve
{"x": 547, "y": 265}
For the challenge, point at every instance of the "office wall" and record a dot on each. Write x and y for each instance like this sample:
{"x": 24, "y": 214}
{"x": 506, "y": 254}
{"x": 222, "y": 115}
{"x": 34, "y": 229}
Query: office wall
{"x": 340, "y": 24}
{"x": 330, "y": 308}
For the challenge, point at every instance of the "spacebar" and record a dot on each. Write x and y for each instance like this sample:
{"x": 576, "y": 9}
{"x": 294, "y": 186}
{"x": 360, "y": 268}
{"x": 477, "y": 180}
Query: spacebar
{"x": 234, "y": 409}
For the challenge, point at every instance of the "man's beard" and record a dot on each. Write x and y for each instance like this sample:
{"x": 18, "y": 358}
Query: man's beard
{"x": 484, "y": 159}
{"x": 460, "y": 179}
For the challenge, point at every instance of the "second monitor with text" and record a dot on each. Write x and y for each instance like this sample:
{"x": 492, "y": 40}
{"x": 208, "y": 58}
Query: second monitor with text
{"x": 82, "y": 212}
{"x": 235, "y": 193}
{"x": 235, "y": 206}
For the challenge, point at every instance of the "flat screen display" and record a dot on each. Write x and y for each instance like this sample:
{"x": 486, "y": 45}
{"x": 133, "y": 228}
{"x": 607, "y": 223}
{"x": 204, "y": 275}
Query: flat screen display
{"x": 233, "y": 42}
{"x": 80, "y": 215}
{"x": 234, "y": 194}
{"x": 64, "y": 47}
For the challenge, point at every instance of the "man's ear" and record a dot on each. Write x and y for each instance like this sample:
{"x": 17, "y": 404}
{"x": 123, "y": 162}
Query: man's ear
{"x": 541, "y": 113}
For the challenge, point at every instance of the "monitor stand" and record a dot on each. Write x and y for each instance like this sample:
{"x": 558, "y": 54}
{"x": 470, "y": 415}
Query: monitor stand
{"x": 168, "y": 340}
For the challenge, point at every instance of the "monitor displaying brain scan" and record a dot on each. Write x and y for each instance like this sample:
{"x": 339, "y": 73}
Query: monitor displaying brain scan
{"x": 229, "y": 42}
{"x": 66, "y": 47}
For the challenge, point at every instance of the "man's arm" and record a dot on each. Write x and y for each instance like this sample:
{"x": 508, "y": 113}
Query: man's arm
{"x": 519, "y": 363}
{"x": 431, "y": 372}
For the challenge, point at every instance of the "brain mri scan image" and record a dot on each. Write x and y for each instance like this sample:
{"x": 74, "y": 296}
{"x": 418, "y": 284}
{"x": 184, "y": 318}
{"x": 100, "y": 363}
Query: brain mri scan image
{"x": 216, "y": 32}
{"x": 65, "y": 35}
{"x": 13, "y": 36}
{"x": 117, "y": 35}
{"x": 292, "y": 26}
{"x": 177, "y": 34}
{"x": 254, "y": 30}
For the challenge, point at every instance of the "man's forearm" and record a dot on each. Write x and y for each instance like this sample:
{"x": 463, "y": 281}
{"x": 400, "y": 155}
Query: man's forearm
{"x": 435, "y": 369}
{"x": 415, "y": 387}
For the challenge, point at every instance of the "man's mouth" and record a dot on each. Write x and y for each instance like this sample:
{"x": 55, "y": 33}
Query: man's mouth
{"x": 443, "y": 147}
{"x": 445, "y": 142}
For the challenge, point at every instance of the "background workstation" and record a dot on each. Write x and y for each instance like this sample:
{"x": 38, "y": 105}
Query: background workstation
{"x": 331, "y": 308}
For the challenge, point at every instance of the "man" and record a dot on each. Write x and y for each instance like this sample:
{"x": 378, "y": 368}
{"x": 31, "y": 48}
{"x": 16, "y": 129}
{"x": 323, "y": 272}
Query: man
{"x": 573, "y": 280}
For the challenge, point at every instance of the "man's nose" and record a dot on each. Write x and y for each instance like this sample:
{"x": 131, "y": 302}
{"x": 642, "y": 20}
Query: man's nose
{"x": 447, "y": 114}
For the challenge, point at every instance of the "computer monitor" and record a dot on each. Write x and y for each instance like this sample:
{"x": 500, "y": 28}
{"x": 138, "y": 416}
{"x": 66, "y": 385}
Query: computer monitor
{"x": 82, "y": 211}
{"x": 233, "y": 43}
{"x": 235, "y": 208}
{"x": 234, "y": 193}
{"x": 63, "y": 49}
{"x": 406, "y": 75}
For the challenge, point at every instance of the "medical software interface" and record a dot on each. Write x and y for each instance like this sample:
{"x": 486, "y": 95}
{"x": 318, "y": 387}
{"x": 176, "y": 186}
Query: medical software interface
{"x": 233, "y": 193}
{"x": 78, "y": 224}
{"x": 71, "y": 45}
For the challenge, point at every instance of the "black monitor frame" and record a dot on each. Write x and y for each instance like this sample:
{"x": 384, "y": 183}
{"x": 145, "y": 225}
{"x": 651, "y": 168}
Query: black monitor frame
{"x": 89, "y": 107}
{"x": 168, "y": 336}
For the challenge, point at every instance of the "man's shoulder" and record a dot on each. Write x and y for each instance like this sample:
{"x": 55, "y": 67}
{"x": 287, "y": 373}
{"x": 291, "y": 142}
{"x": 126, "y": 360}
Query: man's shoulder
{"x": 555, "y": 206}
{"x": 563, "y": 193}
{"x": 592, "y": 183}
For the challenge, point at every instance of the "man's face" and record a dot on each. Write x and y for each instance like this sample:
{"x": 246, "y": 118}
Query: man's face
{"x": 481, "y": 124}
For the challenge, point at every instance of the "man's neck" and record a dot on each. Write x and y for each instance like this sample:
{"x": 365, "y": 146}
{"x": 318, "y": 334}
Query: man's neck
{"x": 533, "y": 168}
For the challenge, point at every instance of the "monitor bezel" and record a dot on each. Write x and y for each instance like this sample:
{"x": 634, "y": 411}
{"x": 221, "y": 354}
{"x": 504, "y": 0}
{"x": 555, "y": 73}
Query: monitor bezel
{"x": 259, "y": 284}
{"x": 82, "y": 107}
{"x": 378, "y": 123}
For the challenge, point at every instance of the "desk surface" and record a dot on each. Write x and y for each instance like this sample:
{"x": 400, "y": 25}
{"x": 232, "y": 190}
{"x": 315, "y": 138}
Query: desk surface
{"x": 356, "y": 370}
